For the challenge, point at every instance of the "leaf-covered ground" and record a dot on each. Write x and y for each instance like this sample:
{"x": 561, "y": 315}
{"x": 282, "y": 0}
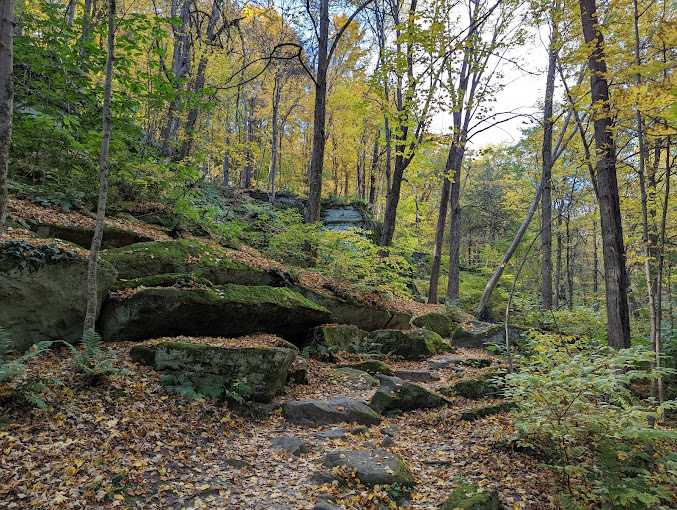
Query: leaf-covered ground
{"x": 130, "y": 443}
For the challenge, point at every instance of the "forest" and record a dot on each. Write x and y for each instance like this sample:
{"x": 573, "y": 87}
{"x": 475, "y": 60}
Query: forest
{"x": 229, "y": 230}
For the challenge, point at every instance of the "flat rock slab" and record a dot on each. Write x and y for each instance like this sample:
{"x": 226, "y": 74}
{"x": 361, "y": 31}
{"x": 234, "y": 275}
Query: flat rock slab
{"x": 417, "y": 375}
{"x": 396, "y": 393}
{"x": 471, "y": 497}
{"x": 354, "y": 379}
{"x": 480, "y": 335}
{"x": 337, "y": 409}
{"x": 210, "y": 368}
{"x": 290, "y": 445}
{"x": 373, "y": 466}
{"x": 228, "y": 311}
{"x": 332, "y": 433}
{"x": 82, "y": 236}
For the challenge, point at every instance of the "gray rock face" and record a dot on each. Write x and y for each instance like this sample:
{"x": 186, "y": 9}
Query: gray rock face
{"x": 332, "y": 433}
{"x": 373, "y": 467}
{"x": 343, "y": 218}
{"x": 336, "y": 409}
{"x": 396, "y": 393}
{"x": 417, "y": 375}
{"x": 337, "y": 336}
{"x": 479, "y": 335}
{"x": 228, "y": 311}
{"x": 213, "y": 368}
{"x": 416, "y": 344}
{"x": 290, "y": 445}
{"x": 47, "y": 302}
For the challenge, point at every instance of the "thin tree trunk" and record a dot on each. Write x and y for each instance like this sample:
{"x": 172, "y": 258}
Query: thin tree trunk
{"x": 570, "y": 269}
{"x": 91, "y": 310}
{"x": 615, "y": 277}
{"x": 482, "y": 312}
{"x": 6, "y": 100}
{"x": 272, "y": 169}
{"x": 595, "y": 268}
{"x": 546, "y": 199}
{"x": 439, "y": 240}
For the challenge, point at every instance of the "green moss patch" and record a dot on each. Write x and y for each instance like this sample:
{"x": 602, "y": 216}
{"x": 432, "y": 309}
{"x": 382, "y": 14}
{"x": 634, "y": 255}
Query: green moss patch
{"x": 437, "y": 322}
{"x": 471, "y": 497}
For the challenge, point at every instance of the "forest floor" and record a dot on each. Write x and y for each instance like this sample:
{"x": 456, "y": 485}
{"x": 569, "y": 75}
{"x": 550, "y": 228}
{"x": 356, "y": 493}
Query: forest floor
{"x": 128, "y": 442}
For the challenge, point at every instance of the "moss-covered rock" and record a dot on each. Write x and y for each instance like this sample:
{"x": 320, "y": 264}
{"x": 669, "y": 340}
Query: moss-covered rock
{"x": 366, "y": 317}
{"x": 82, "y": 236}
{"x": 471, "y": 497}
{"x": 395, "y": 393}
{"x": 416, "y": 344}
{"x": 230, "y": 311}
{"x": 214, "y": 370}
{"x": 354, "y": 379}
{"x": 47, "y": 300}
{"x": 143, "y": 354}
{"x": 474, "y": 389}
{"x": 336, "y": 337}
{"x": 374, "y": 367}
{"x": 437, "y": 322}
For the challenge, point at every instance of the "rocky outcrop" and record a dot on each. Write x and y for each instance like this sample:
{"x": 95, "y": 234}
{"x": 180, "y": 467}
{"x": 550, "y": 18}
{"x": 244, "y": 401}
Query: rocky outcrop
{"x": 45, "y": 299}
{"x": 374, "y": 367}
{"x": 372, "y": 467}
{"x": 416, "y": 344}
{"x": 82, "y": 236}
{"x": 395, "y": 393}
{"x": 213, "y": 370}
{"x": 480, "y": 387}
{"x": 366, "y": 317}
{"x": 327, "y": 411}
{"x": 228, "y": 311}
{"x": 354, "y": 379}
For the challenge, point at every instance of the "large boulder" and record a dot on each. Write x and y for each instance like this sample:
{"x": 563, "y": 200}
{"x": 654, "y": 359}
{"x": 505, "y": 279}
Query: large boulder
{"x": 214, "y": 370}
{"x": 477, "y": 388}
{"x": 366, "y": 317}
{"x": 113, "y": 237}
{"x": 441, "y": 324}
{"x": 372, "y": 467}
{"x": 471, "y": 497}
{"x": 354, "y": 379}
{"x": 228, "y": 311}
{"x": 43, "y": 292}
{"x": 336, "y": 409}
{"x": 396, "y": 393}
{"x": 416, "y": 344}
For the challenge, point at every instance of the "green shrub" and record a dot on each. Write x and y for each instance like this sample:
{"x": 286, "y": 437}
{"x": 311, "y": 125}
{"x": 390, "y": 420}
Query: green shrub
{"x": 573, "y": 407}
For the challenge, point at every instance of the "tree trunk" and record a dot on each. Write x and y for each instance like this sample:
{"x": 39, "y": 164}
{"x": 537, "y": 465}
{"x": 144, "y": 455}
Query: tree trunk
{"x": 615, "y": 277}
{"x": 6, "y": 100}
{"x": 91, "y": 310}
{"x": 439, "y": 240}
{"x": 546, "y": 199}
{"x": 319, "y": 117}
{"x": 272, "y": 169}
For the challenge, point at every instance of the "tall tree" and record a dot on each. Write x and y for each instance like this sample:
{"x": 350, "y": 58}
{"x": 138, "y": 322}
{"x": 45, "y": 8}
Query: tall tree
{"x": 91, "y": 311}
{"x": 6, "y": 99}
{"x": 319, "y": 77}
{"x": 613, "y": 249}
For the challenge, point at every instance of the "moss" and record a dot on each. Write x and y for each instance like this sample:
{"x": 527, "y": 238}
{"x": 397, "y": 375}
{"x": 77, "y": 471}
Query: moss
{"x": 374, "y": 367}
{"x": 437, "y": 322}
{"x": 341, "y": 337}
{"x": 416, "y": 344}
{"x": 352, "y": 378}
{"x": 467, "y": 497}
{"x": 146, "y": 259}
{"x": 402, "y": 475}
{"x": 280, "y": 296}
{"x": 143, "y": 355}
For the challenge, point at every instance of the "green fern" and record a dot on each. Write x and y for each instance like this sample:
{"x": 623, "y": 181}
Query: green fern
{"x": 93, "y": 361}
{"x": 15, "y": 381}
